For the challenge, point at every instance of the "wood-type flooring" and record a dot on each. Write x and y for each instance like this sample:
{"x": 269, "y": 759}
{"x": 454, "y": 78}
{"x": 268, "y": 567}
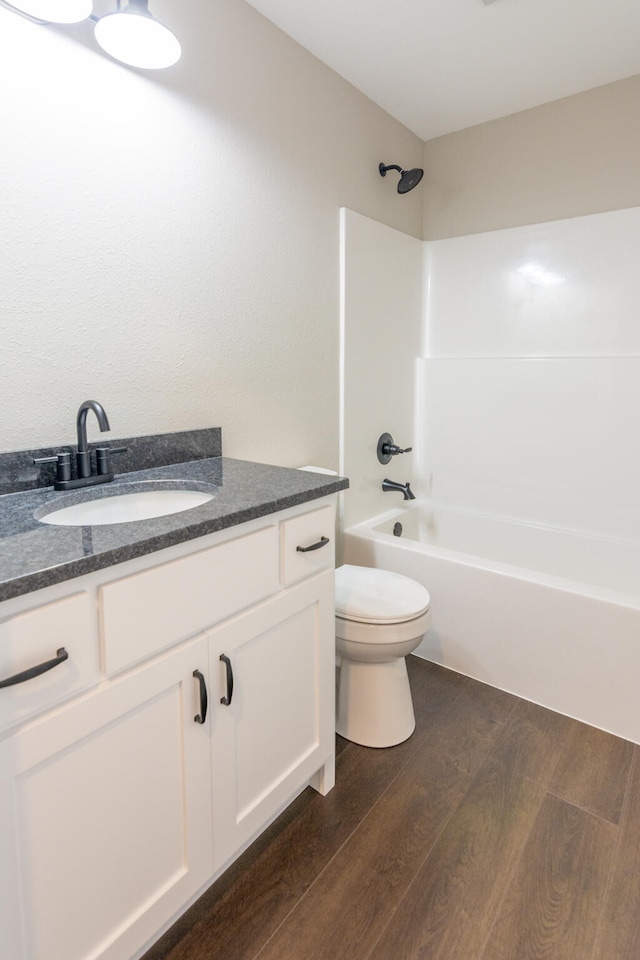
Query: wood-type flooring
{"x": 498, "y": 831}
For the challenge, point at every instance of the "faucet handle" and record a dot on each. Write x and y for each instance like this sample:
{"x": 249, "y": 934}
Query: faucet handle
{"x": 387, "y": 448}
{"x": 63, "y": 461}
{"x": 103, "y": 459}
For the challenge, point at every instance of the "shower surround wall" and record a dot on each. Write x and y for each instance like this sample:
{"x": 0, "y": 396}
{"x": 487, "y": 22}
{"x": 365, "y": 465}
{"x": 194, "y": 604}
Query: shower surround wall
{"x": 527, "y": 396}
{"x": 531, "y": 375}
{"x": 381, "y": 334}
{"x": 519, "y": 383}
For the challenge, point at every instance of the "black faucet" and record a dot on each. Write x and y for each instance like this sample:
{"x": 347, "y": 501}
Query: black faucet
{"x": 85, "y": 477}
{"x": 402, "y": 488}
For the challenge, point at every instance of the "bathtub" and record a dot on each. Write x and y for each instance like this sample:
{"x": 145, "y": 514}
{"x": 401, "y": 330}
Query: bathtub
{"x": 549, "y": 615}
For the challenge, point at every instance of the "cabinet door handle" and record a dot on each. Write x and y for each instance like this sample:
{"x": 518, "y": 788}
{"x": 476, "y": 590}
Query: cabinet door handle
{"x": 204, "y": 700}
{"x": 227, "y": 700}
{"x": 322, "y": 542}
{"x": 60, "y": 657}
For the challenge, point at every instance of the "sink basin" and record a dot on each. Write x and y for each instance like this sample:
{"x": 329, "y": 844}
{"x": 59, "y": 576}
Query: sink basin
{"x": 126, "y": 507}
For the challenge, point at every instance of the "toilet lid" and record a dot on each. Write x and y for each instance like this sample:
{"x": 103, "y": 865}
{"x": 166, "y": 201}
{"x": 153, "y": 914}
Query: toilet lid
{"x": 378, "y": 596}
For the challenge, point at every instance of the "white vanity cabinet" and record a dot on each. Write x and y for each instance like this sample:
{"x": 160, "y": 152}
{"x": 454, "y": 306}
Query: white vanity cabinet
{"x": 106, "y": 827}
{"x": 119, "y": 807}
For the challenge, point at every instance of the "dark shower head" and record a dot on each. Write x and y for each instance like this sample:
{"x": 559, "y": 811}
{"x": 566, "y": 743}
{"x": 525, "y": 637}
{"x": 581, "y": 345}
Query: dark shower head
{"x": 408, "y": 178}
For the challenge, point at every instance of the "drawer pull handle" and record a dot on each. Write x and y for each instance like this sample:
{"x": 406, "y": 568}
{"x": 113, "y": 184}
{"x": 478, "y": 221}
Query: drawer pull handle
{"x": 227, "y": 700}
{"x": 60, "y": 657}
{"x": 204, "y": 700}
{"x": 322, "y": 542}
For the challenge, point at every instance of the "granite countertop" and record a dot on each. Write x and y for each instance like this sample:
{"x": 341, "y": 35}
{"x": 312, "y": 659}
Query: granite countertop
{"x": 35, "y": 555}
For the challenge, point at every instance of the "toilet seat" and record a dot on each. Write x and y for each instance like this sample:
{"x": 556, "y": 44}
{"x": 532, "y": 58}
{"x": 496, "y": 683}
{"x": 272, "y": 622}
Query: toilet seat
{"x": 377, "y": 642}
{"x": 372, "y": 596}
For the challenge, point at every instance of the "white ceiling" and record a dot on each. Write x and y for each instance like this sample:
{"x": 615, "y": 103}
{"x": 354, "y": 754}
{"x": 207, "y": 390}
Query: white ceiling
{"x": 442, "y": 65}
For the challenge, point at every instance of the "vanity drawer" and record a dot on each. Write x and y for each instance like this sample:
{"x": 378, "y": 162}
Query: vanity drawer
{"x": 315, "y": 530}
{"x": 143, "y": 614}
{"x": 37, "y": 637}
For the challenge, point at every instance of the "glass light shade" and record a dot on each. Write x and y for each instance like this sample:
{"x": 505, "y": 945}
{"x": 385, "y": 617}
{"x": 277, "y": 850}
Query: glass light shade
{"x": 138, "y": 40}
{"x": 54, "y": 11}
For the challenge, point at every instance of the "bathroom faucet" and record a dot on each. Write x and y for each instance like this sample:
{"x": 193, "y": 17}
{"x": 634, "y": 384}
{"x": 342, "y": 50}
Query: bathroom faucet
{"x": 85, "y": 477}
{"x": 83, "y": 459}
{"x": 403, "y": 488}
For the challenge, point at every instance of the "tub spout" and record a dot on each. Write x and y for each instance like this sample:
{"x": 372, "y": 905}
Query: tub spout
{"x": 402, "y": 488}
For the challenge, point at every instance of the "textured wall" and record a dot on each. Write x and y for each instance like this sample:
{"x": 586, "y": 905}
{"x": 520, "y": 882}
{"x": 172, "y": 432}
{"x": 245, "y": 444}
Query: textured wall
{"x": 574, "y": 156}
{"x": 169, "y": 243}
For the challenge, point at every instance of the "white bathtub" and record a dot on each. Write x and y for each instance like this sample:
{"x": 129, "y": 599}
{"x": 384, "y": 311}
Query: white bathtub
{"x": 549, "y": 615}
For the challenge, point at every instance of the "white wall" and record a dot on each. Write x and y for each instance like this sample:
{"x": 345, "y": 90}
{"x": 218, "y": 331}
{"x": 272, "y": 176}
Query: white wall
{"x": 381, "y": 338}
{"x": 532, "y": 376}
{"x": 169, "y": 243}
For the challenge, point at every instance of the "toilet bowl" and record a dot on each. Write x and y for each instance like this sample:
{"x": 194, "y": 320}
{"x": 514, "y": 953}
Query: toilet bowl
{"x": 380, "y": 618}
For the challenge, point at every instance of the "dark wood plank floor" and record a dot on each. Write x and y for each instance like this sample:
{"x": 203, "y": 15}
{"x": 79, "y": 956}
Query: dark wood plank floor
{"x": 498, "y": 831}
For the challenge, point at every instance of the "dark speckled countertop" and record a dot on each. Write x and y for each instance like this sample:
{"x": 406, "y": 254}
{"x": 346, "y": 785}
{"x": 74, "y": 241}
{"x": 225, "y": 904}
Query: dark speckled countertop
{"x": 35, "y": 555}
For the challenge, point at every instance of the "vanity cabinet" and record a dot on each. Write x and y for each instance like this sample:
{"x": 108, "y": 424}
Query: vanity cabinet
{"x": 120, "y": 806}
{"x": 108, "y": 820}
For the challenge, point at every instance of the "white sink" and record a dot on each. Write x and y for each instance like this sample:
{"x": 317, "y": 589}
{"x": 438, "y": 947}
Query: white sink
{"x": 126, "y": 507}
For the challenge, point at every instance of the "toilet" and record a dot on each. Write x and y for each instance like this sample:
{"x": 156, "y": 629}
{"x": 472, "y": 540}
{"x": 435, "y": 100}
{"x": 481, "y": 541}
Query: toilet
{"x": 380, "y": 618}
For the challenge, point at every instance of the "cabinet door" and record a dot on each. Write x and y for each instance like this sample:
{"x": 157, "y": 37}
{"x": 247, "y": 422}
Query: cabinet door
{"x": 105, "y": 808}
{"x": 277, "y": 731}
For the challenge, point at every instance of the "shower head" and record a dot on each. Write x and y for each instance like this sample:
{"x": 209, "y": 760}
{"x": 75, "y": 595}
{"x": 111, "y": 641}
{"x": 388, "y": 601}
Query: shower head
{"x": 408, "y": 178}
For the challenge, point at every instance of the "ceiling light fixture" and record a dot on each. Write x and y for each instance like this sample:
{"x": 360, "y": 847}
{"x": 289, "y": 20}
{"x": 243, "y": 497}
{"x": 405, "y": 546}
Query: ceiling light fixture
{"x": 51, "y": 11}
{"x": 133, "y": 36}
